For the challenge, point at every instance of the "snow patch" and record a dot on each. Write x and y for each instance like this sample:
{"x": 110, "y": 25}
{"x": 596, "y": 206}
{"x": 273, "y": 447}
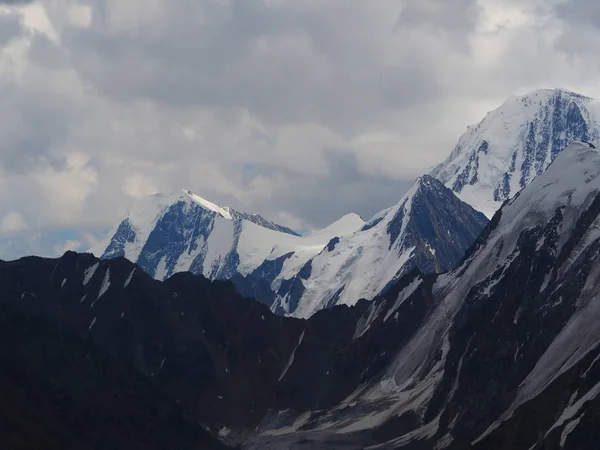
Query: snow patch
{"x": 129, "y": 278}
{"x": 223, "y": 212}
{"x": 292, "y": 356}
{"x": 161, "y": 269}
{"x": 224, "y": 432}
{"x": 364, "y": 323}
{"x": 572, "y": 410}
{"x": 596, "y": 359}
{"x": 298, "y": 423}
{"x": 567, "y": 430}
{"x": 402, "y": 296}
{"x": 89, "y": 273}
{"x": 105, "y": 284}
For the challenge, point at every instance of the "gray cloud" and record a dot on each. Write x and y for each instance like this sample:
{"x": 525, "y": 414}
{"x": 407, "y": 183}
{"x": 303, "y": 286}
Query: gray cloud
{"x": 284, "y": 65}
{"x": 581, "y": 30}
{"x": 580, "y": 11}
{"x": 329, "y": 197}
{"x": 10, "y": 28}
{"x": 35, "y": 125}
{"x": 301, "y": 111}
{"x": 454, "y": 20}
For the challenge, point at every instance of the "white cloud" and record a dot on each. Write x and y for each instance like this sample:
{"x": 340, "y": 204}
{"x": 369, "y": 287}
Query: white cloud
{"x": 66, "y": 189}
{"x": 12, "y": 222}
{"x": 68, "y": 246}
{"x": 138, "y": 185}
{"x": 80, "y": 15}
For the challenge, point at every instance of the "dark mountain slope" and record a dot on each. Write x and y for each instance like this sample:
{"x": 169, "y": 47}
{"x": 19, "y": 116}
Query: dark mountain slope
{"x": 224, "y": 359}
{"x": 59, "y": 392}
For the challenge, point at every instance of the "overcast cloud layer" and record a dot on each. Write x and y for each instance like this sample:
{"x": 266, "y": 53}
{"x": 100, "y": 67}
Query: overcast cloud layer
{"x": 301, "y": 110}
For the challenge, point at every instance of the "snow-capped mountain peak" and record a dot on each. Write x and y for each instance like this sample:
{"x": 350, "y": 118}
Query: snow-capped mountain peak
{"x": 513, "y": 144}
{"x": 429, "y": 228}
{"x": 166, "y": 234}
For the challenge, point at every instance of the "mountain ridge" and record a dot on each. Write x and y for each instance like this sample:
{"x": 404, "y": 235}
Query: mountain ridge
{"x": 429, "y": 228}
{"x": 172, "y": 233}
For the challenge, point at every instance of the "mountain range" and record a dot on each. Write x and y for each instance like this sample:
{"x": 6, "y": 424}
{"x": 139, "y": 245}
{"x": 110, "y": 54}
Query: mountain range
{"x": 502, "y": 351}
{"x": 466, "y": 316}
{"x": 430, "y": 228}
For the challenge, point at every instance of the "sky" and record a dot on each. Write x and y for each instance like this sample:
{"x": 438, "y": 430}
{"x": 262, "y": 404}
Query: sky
{"x": 300, "y": 110}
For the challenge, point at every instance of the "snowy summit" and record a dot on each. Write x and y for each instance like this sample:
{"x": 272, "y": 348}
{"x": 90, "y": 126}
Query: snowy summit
{"x": 166, "y": 234}
{"x": 514, "y": 144}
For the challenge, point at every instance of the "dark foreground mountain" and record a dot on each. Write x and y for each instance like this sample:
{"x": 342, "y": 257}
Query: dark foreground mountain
{"x": 502, "y": 352}
{"x": 58, "y": 391}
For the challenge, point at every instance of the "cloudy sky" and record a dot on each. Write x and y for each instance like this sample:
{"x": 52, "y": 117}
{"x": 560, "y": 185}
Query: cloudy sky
{"x": 301, "y": 110}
